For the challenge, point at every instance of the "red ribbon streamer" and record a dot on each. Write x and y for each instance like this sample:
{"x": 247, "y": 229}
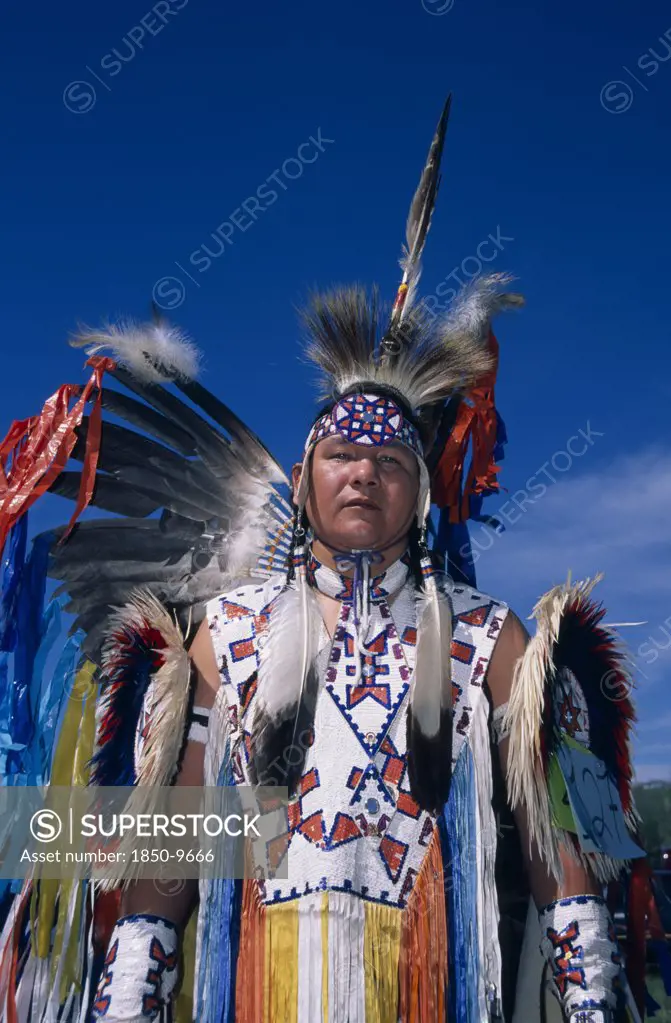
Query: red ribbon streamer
{"x": 40, "y": 447}
{"x": 476, "y": 422}
{"x": 642, "y": 915}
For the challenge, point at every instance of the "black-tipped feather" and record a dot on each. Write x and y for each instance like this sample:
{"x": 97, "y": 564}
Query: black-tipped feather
{"x": 148, "y": 419}
{"x": 430, "y": 763}
{"x": 108, "y": 494}
{"x": 421, "y": 211}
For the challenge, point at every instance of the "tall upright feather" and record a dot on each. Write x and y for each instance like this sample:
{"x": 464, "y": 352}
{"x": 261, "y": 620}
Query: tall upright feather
{"x": 419, "y": 220}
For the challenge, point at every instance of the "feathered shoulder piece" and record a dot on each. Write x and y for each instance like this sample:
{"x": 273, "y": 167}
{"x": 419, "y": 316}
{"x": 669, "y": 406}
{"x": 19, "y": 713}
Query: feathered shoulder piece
{"x": 141, "y": 714}
{"x": 569, "y": 719}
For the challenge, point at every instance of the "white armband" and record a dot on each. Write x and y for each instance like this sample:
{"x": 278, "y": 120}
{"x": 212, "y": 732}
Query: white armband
{"x": 578, "y": 941}
{"x": 140, "y": 970}
{"x": 198, "y": 722}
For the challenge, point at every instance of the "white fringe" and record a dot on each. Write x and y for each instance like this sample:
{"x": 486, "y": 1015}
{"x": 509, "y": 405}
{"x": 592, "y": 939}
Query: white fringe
{"x": 487, "y": 838}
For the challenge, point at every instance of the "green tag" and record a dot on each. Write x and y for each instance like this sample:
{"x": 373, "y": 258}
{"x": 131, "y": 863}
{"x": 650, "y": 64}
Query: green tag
{"x": 559, "y": 800}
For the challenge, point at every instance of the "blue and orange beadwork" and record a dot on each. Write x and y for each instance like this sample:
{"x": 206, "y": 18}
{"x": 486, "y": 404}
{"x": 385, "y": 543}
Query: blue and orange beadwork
{"x": 366, "y": 419}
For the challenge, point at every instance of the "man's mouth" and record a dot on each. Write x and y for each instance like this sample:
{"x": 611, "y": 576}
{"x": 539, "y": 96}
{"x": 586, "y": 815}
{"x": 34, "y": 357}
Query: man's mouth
{"x": 361, "y": 502}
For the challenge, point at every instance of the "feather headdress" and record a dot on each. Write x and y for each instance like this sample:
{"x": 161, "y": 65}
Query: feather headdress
{"x": 434, "y": 358}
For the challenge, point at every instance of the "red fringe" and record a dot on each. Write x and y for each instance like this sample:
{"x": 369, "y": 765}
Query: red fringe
{"x": 640, "y": 897}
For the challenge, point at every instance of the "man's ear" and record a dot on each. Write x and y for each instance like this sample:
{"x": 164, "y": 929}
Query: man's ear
{"x": 295, "y": 477}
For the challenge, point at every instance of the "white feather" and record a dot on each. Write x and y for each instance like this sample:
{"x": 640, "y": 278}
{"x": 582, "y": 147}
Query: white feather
{"x": 478, "y": 303}
{"x": 155, "y": 353}
{"x": 290, "y": 648}
{"x": 432, "y": 685}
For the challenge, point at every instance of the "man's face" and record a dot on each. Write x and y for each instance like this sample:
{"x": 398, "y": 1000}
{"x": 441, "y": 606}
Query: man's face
{"x": 361, "y": 497}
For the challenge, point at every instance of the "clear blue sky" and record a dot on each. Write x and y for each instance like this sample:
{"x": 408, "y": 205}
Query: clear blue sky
{"x": 113, "y": 180}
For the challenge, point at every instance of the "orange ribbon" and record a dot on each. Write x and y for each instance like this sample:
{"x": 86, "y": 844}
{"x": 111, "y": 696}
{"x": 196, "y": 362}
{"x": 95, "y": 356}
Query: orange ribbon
{"x": 40, "y": 447}
{"x": 476, "y": 422}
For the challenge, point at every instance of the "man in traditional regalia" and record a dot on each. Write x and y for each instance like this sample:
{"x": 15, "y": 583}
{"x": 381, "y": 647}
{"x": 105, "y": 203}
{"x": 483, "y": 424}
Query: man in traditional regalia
{"x": 409, "y": 715}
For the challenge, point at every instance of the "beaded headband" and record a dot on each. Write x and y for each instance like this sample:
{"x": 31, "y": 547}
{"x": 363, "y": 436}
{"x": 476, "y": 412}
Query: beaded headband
{"x": 367, "y": 419}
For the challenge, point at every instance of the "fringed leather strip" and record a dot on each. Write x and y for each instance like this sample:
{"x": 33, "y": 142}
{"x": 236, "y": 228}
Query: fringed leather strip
{"x": 423, "y": 962}
{"x": 325, "y": 956}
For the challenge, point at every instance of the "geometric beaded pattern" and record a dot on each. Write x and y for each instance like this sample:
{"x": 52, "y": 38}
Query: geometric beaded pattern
{"x": 369, "y": 420}
{"x": 578, "y": 940}
{"x": 353, "y": 823}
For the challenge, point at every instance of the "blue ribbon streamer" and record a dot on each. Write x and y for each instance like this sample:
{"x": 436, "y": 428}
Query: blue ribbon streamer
{"x": 29, "y": 624}
{"x": 11, "y": 578}
{"x": 221, "y": 933}
{"x": 53, "y": 704}
{"x": 458, "y": 832}
{"x": 453, "y": 543}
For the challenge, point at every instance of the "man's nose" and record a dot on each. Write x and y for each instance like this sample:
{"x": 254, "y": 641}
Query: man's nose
{"x": 365, "y": 472}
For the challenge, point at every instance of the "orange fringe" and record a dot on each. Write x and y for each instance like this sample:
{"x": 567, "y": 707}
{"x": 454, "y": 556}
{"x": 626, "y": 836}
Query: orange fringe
{"x": 249, "y": 985}
{"x": 423, "y": 959}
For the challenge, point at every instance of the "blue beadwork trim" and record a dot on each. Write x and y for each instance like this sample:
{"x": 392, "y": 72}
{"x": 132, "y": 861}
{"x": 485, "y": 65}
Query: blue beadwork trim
{"x": 573, "y": 900}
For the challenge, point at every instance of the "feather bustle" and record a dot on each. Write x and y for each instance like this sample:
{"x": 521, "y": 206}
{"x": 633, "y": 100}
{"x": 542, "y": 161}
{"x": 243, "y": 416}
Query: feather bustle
{"x": 158, "y": 757}
{"x": 533, "y": 677}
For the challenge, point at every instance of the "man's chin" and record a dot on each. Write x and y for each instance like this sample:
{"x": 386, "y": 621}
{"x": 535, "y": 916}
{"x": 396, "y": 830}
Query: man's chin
{"x": 361, "y": 537}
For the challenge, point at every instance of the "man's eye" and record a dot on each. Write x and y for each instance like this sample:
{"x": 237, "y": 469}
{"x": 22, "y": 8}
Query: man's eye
{"x": 390, "y": 458}
{"x": 338, "y": 455}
